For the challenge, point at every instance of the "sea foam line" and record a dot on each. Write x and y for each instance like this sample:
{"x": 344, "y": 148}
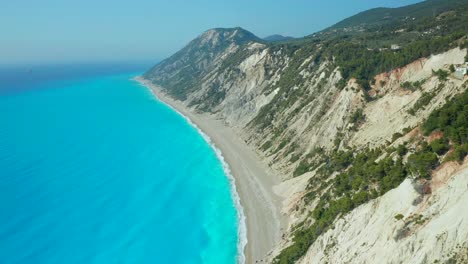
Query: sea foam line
{"x": 241, "y": 219}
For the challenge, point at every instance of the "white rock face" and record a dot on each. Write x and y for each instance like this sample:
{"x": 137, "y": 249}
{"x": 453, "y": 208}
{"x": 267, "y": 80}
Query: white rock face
{"x": 318, "y": 114}
{"x": 371, "y": 234}
{"x": 367, "y": 234}
{"x": 391, "y": 111}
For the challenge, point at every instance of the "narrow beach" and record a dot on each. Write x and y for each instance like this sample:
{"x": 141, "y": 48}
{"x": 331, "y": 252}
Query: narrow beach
{"x": 254, "y": 180}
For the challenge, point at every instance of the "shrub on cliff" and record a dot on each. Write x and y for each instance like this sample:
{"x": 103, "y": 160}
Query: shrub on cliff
{"x": 422, "y": 163}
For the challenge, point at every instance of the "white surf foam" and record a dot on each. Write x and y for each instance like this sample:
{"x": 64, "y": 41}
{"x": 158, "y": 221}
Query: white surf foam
{"x": 241, "y": 219}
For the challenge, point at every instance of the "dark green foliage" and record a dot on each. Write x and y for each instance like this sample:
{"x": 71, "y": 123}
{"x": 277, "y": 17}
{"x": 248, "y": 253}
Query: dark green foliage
{"x": 336, "y": 162}
{"x": 302, "y": 168}
{"x": 283, "y": 143}
{"x": 452, "y": 68}
{"x": 421, "y": 102}
{"x": 401, "y": 150}
{"x": 440, "y": 146}
{"x": 316, "y": 157}
{"x": 422, "y": 163}
{"x": 407, "y": 85}
{"x": 407, "y": 130}
{"x": 451, "y": 120}
{"x": 294, "y": 158}
{"x": 360, "y": 178}
{"x": 383, "y": 16}
{"x": 441, "y": 75}
{"x": 357, "y": 117}
{"x": 413, "y": 86}
{"x": 350, "y": 188}
{"x": 359, "y": 55}
{"x": 356, "y": 61}
{"x": 399, "y": 216}
{"x": 396, "y": 136}
{"x": 341, "y": 84}
{"x": 459, "y": 153}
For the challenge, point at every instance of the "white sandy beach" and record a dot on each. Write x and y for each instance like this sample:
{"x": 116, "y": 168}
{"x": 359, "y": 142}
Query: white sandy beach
{"x": 254, "y": 180}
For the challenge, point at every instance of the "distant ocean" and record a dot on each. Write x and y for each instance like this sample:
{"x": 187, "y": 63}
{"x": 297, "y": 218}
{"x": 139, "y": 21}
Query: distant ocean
{"x": 93, "y": 169}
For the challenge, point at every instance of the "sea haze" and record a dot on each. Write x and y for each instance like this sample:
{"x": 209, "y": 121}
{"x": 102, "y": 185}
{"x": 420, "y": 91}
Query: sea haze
{"x": 15, "y": 78}
{"x": 93, "y": 169}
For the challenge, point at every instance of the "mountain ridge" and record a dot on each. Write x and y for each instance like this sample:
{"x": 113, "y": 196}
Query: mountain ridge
{"x": 198, "y": 57}
{"x": 277, "y": 37}
{"x": 314, "y": 108}
{"x": 382, "y": 15}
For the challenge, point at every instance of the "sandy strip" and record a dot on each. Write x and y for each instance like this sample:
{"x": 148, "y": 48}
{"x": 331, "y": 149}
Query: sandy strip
{"x": 254, "y": 180}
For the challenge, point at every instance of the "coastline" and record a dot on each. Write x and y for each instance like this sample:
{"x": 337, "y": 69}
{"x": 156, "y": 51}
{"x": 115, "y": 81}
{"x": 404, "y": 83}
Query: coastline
{"x": 260, "y": 220}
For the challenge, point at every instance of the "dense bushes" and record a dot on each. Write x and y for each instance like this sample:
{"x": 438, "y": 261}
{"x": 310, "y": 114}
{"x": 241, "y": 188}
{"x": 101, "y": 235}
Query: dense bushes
{"x": 349, "y": 178}
{"x": 451, "y": 120}
{"x": 440, "y": 146}
{"x": 421, "y": 163}
{"x": 302, "y": 168}
{"x": 441, "y": 75}
{"x": 357, "y": 61}
{"x": 367, "y": 174}
{"x": 361, "y": 178}
{"x": 459, "y": 153}
{"x": 413, "y": 86}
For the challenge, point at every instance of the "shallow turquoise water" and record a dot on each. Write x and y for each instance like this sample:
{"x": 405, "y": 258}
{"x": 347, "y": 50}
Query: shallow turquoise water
{"x": 97, "y": 171}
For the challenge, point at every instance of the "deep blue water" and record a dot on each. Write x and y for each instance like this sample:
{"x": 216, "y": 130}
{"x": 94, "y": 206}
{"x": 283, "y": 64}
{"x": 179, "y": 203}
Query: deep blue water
{"x": 93, "y": 169}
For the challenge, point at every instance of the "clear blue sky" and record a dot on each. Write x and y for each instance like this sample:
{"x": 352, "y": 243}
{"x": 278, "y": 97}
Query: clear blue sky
{"x": 42, "y": 31}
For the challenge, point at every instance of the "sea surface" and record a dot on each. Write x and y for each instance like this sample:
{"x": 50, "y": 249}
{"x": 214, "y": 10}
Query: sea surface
{"x": 93, "y": 169}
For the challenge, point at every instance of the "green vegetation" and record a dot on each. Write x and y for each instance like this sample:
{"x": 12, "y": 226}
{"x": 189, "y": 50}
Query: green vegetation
{"x": 388, "y": 16}
{"x": 345, "y": 178}
{"x": 423, "y": 162}
{"x": 440, "y": 146}
{"x": 302, "y": 168}
{"x": 452, "y": 68}
{"x": 401, "y": 150}
{"x": 413, "y": 86}
{"x": 357, "y": 117}
{"x": 341, "y": 84}
{"x": 361, "y": 54}
{"x": 369, "y": 173}
{"x": 360, "y": 179}
{"x": 452, "y": 121}
{"x": 459, "y": 153}
{"x": 421, "y": 102}
{"x": 357, "y": 61}
{"x": 399, "y": 217}
{"x": 441, "y": 75}
{"x": 396, "y": 136}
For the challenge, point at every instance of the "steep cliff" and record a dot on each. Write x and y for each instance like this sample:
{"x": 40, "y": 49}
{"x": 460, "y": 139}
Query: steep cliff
{"x": 346, "y": 121}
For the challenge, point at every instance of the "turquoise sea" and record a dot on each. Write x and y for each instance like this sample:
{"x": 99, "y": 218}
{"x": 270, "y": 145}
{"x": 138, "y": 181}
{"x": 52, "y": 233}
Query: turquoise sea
{"x": 93, "y": 169}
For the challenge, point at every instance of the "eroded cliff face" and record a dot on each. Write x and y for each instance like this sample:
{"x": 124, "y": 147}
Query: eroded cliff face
{"x": 289, "y": 104}
{"x": 432, "y": 228}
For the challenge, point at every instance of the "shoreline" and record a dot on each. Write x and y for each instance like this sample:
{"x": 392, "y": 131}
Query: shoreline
{"x": 258, "y": 208}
